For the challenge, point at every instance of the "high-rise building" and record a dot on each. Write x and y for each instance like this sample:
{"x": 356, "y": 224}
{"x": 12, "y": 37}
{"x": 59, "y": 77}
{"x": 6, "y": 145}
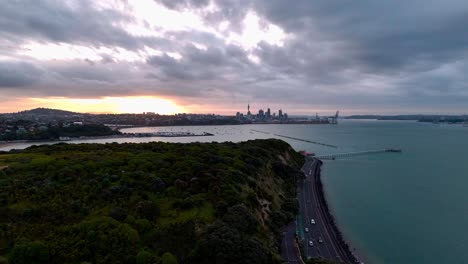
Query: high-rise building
{"x": 268, "y": 114}
{"x": 280, "y": 113}
{"x": 261, "y": 114}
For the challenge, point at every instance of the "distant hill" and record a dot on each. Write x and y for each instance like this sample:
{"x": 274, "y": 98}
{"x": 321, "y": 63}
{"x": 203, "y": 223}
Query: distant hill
{"x": 47, "y": 111}
{"x": 387, "y": 117}
{"x": 420, "y": 118}
{"x": 47, "y": 115}
{"x": 44, "y": 115}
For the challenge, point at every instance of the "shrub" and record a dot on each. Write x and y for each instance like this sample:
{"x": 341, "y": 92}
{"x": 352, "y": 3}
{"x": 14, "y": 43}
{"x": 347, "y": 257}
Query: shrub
{"x": 148, "y": 210}
{"x": 239, "y": 217}
{"x": 30, "y": 253}
{"x": 144, "y": 257}
{"x": 168, "y": 258}
{"x": 118, "y": 214}
{"x": 3, "y": 260}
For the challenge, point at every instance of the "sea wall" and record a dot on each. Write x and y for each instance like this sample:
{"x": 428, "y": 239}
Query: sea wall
{"x": 344, "y": 246}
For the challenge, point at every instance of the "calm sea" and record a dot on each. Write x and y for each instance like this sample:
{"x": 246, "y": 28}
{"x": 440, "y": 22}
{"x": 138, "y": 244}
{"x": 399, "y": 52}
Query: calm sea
{"x": 402, "y": 208}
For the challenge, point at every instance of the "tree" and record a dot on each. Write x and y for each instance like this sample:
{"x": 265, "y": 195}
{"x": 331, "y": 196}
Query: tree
{"x": 223, "y": 244}
{"x": 239, "y": 217}
{"x": 3, "y": 260}
{"x": 219, "y": 244}
{"x": 168, "y": 258}
{"x": 118, "y": 214}
{"x": 148, "y": 210}
{"x": 157, "y": 185}
{"x": 144, "y": 257}
{"x": 30, "y": 253}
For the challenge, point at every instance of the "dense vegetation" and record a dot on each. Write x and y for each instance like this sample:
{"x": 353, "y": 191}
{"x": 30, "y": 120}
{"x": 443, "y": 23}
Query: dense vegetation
{"x": 147, "y": 203}
{"x": 51, "y": 133}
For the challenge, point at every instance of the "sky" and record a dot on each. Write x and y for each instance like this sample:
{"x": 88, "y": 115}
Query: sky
{"x": 217, "y": 56}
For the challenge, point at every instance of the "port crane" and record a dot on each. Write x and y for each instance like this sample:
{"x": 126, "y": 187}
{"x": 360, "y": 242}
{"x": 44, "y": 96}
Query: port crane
{"x": 334, "y": 119}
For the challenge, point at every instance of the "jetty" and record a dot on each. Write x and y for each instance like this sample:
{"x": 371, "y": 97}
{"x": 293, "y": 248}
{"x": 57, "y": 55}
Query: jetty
{"x": 359, "y": 153}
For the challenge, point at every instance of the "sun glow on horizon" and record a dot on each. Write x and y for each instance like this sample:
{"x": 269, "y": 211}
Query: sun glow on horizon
{"x": 129, "y": 104}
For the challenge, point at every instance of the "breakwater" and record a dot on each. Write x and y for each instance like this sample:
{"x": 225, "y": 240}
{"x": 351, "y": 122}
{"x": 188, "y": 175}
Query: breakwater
{"x": 342, "y": 246}
{"x": 298, "y": 139}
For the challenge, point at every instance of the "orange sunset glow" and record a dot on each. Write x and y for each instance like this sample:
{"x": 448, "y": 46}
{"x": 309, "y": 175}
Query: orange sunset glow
{"x": 130, "y": 104}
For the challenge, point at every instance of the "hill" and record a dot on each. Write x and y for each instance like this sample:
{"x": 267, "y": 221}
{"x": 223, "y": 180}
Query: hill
{"x": 44, "y": 115}
{"x": 48, "y": 111}
{"x": 420, "y": 118}
{"x": 147, "y": 203}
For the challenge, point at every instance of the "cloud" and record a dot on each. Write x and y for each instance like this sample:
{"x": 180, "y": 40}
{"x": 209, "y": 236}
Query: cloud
{"x": 324, "y": 53}
{"x": 214, "y": 63}
{"x": 179, "y": 4}
{"x": 395, "y": 35}
{"x": 58, "y": 21}
{"x": 18, "y": 74}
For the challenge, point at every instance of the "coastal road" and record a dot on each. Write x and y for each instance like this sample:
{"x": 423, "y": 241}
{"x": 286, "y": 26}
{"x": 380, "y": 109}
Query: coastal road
{"x": 289, "y": 250}
{"x": 314, "y": 219}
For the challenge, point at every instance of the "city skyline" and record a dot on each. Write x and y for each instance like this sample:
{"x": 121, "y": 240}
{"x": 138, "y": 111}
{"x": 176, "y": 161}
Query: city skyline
{"x": 214, "y": 56}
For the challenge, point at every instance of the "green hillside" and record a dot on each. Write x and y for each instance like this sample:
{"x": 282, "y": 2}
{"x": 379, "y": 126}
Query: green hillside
{"x": 147, "y": 203}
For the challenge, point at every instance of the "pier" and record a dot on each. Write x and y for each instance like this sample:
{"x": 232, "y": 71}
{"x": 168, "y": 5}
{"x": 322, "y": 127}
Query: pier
{"x": 360, "y": 153}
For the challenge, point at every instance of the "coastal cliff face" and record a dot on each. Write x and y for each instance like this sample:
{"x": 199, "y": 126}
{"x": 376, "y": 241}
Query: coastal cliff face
{"x": 147, "y": 203}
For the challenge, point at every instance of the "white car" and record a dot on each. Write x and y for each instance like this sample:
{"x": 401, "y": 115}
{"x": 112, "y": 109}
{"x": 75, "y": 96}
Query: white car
{"x": 312, "y": 221}
{"x": 311, "y": 243}
{"x": 306, "y": 229}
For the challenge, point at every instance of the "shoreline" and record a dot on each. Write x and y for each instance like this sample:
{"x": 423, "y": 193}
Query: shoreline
{"x": 119, "y": 127}
{"x": 124, "y": 135}
{"x": 341, "y": 243}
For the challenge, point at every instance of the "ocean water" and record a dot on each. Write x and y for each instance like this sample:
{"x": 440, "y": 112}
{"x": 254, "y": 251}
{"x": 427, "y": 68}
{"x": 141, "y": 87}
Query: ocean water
{"x": 397, "y": 208}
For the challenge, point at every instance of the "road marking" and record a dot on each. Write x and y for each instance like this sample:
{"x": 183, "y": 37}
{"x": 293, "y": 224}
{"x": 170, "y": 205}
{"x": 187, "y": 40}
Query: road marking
{"x": 312, "y": 168}
{"x": 319, "y": 215}
{"x": 325, "y": 227}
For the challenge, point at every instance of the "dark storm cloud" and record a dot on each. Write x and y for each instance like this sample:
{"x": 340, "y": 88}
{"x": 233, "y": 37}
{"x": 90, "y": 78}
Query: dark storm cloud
{"x": 391, "y": 35}
{"x": 18, "y": 74}
{"x": 56, "y": 21}
{"x": 381, "y": 37}
{"x": 214, "y": 63}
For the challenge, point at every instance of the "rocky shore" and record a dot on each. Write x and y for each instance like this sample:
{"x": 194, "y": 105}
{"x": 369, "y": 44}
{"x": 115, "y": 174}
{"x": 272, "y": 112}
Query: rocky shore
{"x": 339, "y": 241}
